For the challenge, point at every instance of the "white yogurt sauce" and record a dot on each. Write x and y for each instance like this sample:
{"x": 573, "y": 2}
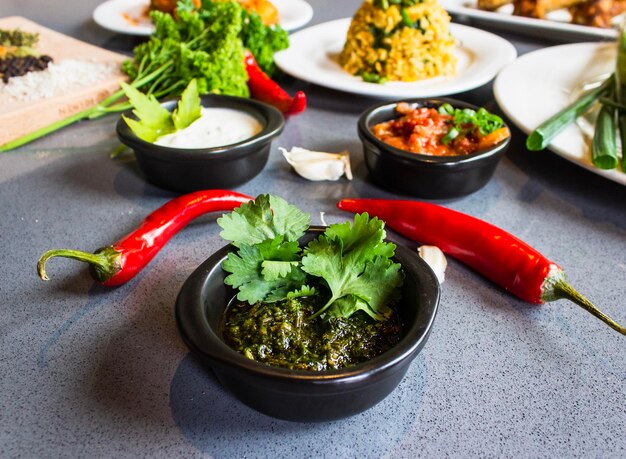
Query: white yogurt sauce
{"x": 216, "y": 127}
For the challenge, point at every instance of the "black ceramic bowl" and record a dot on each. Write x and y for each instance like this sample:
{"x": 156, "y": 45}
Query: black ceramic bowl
{"x": 424, "y": 176}
{"x": 300, "y": 395}
{"x": 186, "y": 170}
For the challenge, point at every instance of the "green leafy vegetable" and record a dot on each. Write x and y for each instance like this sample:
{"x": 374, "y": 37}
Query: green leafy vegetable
{"x": 466, "y": 120}
{"x": 189, "y": 107}
{"x": 355, "y": 260}
{"x": 262, "y": 41}
{"x": 351, "y": 261}
{"x": 154, "y": 120}
{"x": 266, "y": 231}
{"x": 267, "y": 217}
{"x": 204, "y": 44}
{"x": 256, "y": 283}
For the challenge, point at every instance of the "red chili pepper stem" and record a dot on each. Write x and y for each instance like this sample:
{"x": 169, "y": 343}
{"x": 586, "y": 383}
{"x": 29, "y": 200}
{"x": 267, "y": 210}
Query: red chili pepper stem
{"x": 104, "y": 263}
{"x": 496, "y": 254}
{"x": 558, "y": 288}
{"x": 118, "y": 263}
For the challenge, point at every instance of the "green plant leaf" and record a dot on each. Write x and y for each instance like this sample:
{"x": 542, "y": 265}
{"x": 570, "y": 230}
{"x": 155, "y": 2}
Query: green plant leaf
{"x": 153, "y": 119}
{"x": 354, "y": 260}
{"x": 267, "y": 217}
{"x": 305, "y": 290}
{"x": 189, "y": 107}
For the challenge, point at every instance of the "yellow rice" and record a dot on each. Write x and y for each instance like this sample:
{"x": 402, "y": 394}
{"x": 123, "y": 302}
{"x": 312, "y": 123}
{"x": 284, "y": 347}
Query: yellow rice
{"x": 404, "y": 53}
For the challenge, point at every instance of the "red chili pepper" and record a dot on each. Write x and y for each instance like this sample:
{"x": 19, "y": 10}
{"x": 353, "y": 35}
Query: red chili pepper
{"x": 118, "y": 263}
{"x": 496, "y": 254}
{"x": 266, "y": 90}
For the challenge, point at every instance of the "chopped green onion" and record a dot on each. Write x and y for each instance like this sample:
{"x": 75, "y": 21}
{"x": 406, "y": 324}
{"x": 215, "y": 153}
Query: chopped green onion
{"x": 446, "y": 109}
{"x": 406, "y": 18}
{"x": 450, "y": 136}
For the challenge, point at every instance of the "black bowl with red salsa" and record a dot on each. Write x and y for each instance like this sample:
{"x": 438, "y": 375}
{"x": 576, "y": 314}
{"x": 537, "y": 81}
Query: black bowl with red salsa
{"x": 432, "y": 148}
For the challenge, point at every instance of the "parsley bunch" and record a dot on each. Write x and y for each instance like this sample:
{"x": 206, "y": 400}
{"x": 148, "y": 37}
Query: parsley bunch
{"x": 349, "y": 264}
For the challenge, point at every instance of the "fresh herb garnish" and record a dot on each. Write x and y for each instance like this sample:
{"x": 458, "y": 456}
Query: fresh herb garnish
{"x": 349, "y": 263}
{"x": 466, "y": 120}
{"x": 355, "y": 263}
{"x": 153, "y": 120}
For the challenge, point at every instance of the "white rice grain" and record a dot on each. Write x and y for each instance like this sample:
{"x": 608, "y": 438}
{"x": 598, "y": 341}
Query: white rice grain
{"x": 62, "y": 77}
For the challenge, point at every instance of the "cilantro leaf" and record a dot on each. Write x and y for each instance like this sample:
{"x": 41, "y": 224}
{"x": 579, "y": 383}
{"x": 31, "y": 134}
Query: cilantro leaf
{"x": 267, "y": 271}
{"x": 355, "y": 264}
{"x": 349, "y": 304}
{"x": 278, "y": 258}
{"x": 364, "y": 238}
{"x": 264, "y": 218}
{"x": 189, "y": 107}
{"x": 305, "y": 290}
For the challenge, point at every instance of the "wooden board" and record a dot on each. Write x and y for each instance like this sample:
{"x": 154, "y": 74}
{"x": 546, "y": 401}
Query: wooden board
{"x": 20, "y": 118}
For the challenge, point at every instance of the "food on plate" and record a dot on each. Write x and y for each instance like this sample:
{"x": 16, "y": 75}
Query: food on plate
{"x": 319, "y": 165}
{"x": 538, "y": 9}
{"x": 496, "y": 254}
{"x": 404, "y": 40}
{"x": 442, "y": 131}
{"x": 263, "y": 88}
{"x": 169, "y": 6}
{"x": 597, "y": 13}
{"x": 491, "y": 5}
{"x": 118, "y": 263}
{"x": 264, "y": 8}
{"x": 609, "y": 98}
{"x": 206, "y": 44}
{"x": 325, "y": 306}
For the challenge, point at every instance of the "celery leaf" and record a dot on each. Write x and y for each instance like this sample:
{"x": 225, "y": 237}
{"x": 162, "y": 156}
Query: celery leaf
{"x": 154, "y": 119}
{"x": 189, "y": 107}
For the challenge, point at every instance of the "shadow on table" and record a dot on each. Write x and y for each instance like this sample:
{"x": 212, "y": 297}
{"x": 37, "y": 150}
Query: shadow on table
{"x": 219, "y": 425}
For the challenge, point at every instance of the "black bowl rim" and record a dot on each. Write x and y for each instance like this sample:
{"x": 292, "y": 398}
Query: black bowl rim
{"x": 407, "y": 348}
{"x": 275, "y": 125}
{"x": 369, "y": 113}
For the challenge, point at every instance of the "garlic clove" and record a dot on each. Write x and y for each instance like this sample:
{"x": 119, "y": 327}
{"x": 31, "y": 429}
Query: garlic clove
{"x": 317, "y": 165}
{"x": 435, "y": 258}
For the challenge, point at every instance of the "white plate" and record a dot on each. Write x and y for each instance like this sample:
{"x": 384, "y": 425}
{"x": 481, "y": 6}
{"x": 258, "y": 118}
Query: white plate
{"x": 312, "y": 57}
{"x": 129, "y": 17}
{"x": 557, "y": 25}
{"x": 539, "y": 84}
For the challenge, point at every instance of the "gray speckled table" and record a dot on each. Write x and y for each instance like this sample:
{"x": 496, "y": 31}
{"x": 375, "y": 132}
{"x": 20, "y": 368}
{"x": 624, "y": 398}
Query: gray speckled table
{"x": 88, "y": 371}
